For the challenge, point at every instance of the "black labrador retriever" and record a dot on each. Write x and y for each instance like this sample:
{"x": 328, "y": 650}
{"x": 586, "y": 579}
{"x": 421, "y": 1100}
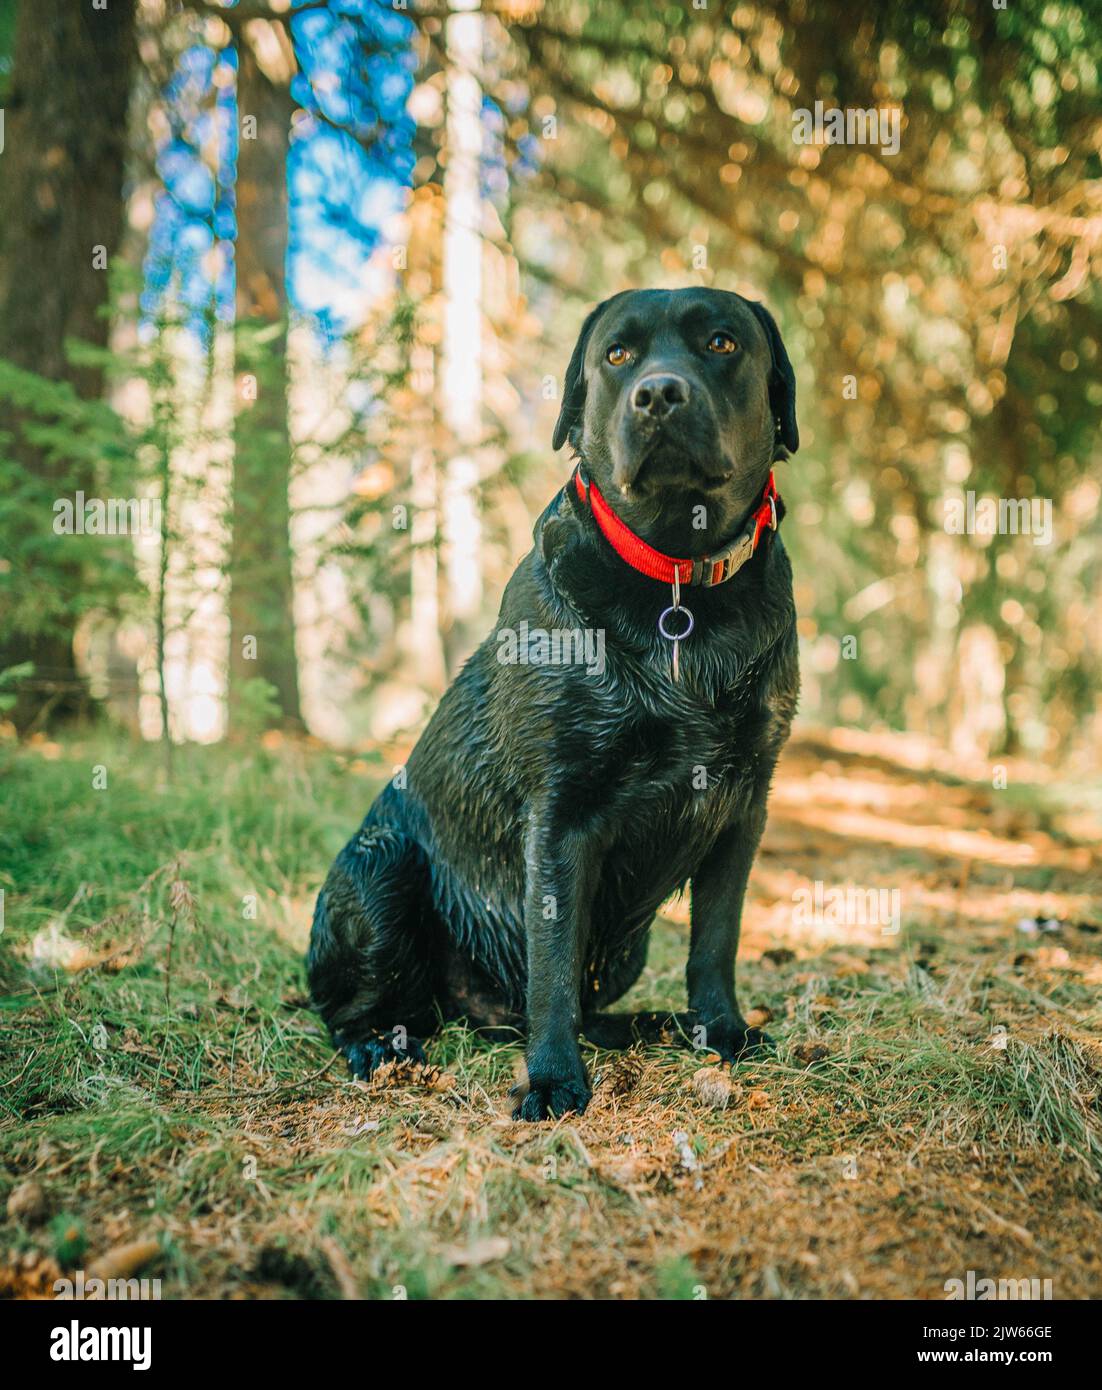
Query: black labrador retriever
{"x": 613, "y": 739}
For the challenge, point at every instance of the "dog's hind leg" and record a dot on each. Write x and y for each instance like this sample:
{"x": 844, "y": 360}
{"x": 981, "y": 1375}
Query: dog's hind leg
{"x": 685, "y": 1028}
{"x": 370, "y": 962}
{"x": 625, "y": 1030}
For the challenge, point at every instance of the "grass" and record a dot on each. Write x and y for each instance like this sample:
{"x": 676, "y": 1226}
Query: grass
{"x": 935, "y": 1104}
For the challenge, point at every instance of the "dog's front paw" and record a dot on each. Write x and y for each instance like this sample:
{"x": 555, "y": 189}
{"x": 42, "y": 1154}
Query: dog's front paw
{"x": 552, "y": 1089}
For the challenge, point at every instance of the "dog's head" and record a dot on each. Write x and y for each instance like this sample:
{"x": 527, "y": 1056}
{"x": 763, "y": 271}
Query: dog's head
{"x": 679, "y": 389}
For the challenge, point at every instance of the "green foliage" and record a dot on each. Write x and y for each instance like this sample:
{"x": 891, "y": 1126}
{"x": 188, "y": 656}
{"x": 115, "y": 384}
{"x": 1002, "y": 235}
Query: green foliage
{"x": 68, "y": 1239}
{"x": 10, "y": 678}
{"x": 48, "y": 578}
{"x": 256, "y": 707}
{"x": 7, "y": 41}
{"x": 677, "y": 1280}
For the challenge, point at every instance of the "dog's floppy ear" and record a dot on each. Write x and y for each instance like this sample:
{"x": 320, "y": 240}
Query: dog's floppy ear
{"x": 573, "y": 393}
{"x": 782, "y": 381}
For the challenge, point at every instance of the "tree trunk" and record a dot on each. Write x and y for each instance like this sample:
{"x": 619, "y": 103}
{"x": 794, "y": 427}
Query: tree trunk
{"x": 61, "y": 220}
{"x": 261, "y": 583}
{"x": 462, "y": 355}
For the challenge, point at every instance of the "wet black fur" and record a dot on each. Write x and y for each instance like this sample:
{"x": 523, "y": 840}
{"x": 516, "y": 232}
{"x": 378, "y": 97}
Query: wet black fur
{"x": 549, "y": 811}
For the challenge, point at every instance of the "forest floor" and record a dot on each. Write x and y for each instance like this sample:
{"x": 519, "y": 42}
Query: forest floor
{"x": 169, "y": 1106}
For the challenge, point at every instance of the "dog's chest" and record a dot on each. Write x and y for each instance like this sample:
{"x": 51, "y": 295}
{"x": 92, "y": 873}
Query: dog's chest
{"x": 680, "y": 755}
{"x": 677, "y": 776}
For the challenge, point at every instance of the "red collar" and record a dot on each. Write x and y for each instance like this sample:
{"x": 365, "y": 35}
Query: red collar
{"x": 708, "y": 569}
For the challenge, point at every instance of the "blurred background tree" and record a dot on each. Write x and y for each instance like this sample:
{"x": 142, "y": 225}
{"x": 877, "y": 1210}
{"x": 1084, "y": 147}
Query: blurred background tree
{"x": 65, "y": 95}
{"x": 262, "y": 634}
{"x": 431, "y": 201}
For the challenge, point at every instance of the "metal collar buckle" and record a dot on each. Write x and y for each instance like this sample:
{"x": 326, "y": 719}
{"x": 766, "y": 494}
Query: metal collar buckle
{"x": 719, "y": 568}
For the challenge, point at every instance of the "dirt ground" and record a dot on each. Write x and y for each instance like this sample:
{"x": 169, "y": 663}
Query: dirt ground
{"x": 935, "y": 1106}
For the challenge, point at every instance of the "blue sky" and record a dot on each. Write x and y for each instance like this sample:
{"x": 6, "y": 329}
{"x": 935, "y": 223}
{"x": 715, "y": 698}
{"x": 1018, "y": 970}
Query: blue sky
{"x": 356, "y": 69}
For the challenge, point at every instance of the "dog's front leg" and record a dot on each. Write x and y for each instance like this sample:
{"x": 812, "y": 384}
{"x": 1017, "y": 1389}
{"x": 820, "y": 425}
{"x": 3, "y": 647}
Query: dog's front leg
{"x": 561, "y": 873}
{"x": 718, "y": 890}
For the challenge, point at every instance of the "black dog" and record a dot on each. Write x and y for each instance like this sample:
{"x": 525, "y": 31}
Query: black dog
{"x": 554, "y": 802}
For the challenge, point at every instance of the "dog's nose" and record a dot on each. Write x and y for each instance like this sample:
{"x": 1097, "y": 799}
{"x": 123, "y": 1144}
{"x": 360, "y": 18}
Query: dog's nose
{"x": 660, "y": 395}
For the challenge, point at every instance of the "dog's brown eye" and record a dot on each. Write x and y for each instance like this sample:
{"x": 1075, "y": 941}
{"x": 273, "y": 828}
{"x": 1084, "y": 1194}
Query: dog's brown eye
{"x": 618, "y": 354}
{"x": 722, "y": 342}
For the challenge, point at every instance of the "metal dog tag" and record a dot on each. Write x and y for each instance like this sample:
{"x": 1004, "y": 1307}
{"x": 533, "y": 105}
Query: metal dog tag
{"x": 675, "y": 638}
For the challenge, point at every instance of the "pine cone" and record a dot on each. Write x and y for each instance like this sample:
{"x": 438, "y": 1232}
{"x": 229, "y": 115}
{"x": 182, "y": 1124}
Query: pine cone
{"x": 623, "y": 1072}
